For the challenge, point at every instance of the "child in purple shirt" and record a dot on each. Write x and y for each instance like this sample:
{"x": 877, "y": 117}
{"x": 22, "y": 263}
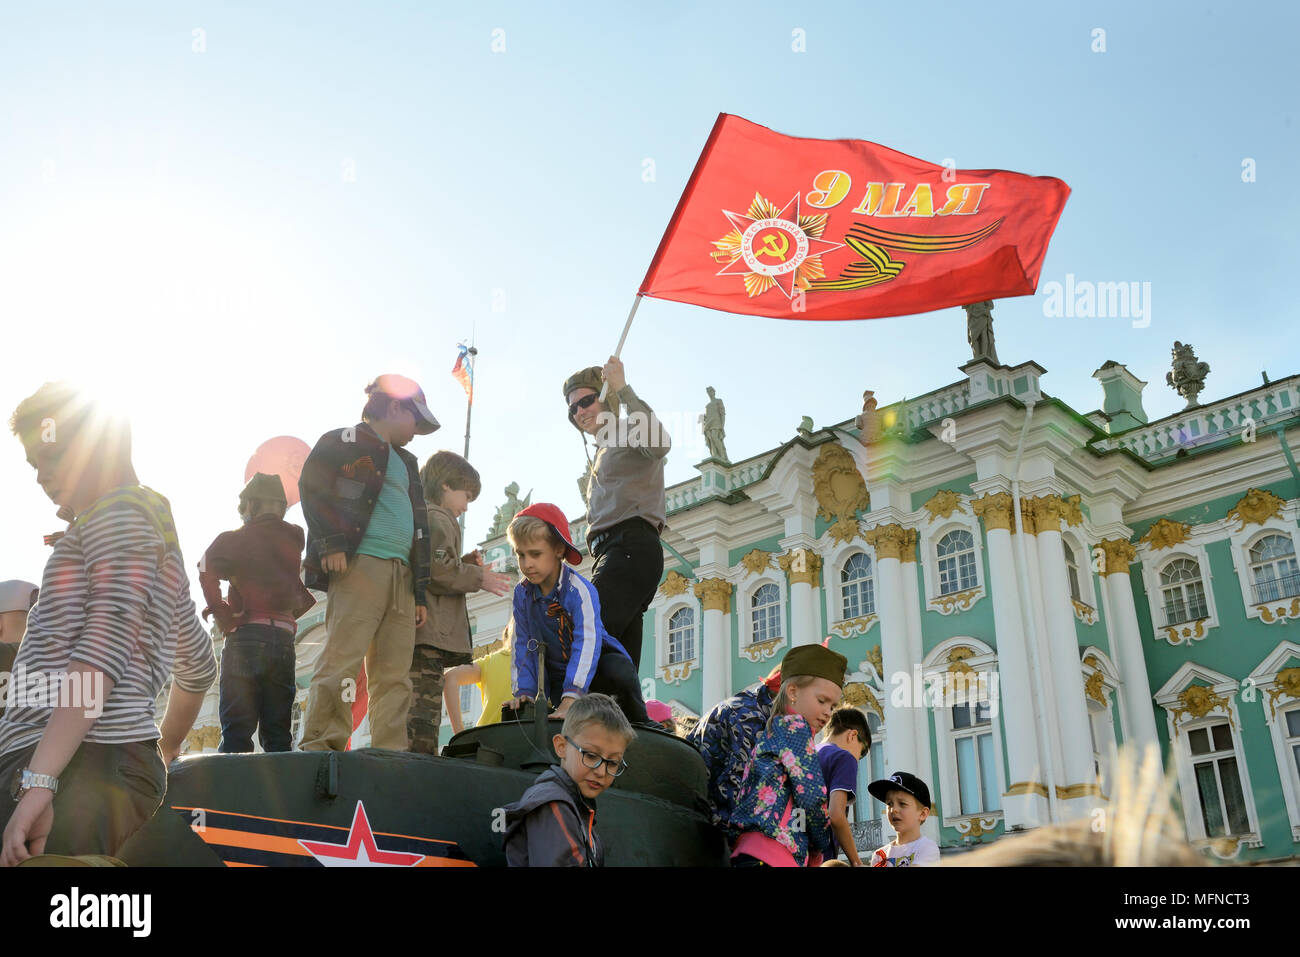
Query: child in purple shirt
{"x": 846, "y": 742}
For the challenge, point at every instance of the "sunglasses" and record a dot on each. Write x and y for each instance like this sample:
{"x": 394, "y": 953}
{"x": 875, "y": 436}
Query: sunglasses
{"x": 583, "y": 403}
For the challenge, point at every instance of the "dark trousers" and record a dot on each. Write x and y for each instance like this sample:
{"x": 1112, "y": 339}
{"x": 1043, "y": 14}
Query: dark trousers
{"x": 616, "y": 677}
{"x": 424, "y": 720}
{"x": 257, "y": 689}
{"x": 629, "y": 563}
{"x": 106, "y": 793}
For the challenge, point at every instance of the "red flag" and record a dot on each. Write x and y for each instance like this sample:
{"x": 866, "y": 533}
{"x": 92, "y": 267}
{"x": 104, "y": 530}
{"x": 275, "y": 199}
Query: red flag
{"x": 773, "y": 225}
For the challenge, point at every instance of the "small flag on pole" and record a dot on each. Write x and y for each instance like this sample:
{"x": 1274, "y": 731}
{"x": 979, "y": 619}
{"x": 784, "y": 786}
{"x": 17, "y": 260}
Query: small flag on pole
{"x": 463, "y": 370}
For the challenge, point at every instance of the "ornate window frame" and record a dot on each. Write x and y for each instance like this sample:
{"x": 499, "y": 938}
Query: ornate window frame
{"x": 1153, "y": 562}
{"x": 1243, "y": 539}
{"x": 664, "y": 608}
{"x": 1100, "y": 689}
{"x": 767, "y": 649}
{"x": 1085, "y": 608}
{"x": 694, "y": 629}
{"x": 1278, "y": 697}
{"x": 931, "y": 533}
{"x": 972, "y": 655}
{"x": 833, "y": 590}
{"x": 1213, "y": 705}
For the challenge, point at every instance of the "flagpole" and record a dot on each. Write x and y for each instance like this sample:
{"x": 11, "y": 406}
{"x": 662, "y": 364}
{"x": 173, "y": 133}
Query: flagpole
{"x": 469, "y": 406}
{"x": 621, "y": 339}
{"x": 471, "y": 352}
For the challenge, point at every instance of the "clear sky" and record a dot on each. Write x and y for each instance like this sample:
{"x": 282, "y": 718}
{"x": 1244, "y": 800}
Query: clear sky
{"x": 231, "y": 231}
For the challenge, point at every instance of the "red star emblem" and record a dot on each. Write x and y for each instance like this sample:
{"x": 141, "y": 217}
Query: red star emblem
{"x": 774, "y": 248}
{"x": 360, "y": 850}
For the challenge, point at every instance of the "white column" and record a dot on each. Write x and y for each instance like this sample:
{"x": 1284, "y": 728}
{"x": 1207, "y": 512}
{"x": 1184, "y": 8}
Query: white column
{"x": 1040, "y": 662}
{"x": 925, "y": 766}
{"x": 1135, "y": 685}
{"x": 802, "y": 566}
{"x": 915, "y": 650}
{"x": 801, "y": 630}
{"x": 1078, "y": 779}
{"x": 900, "y": 705}
{"x": 715, "y": 654}
{"x": 1024, "y": 804}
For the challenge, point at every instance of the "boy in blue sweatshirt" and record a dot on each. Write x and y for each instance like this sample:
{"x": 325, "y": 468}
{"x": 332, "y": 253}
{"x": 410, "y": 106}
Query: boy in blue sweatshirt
{"x": 557, "y": 607}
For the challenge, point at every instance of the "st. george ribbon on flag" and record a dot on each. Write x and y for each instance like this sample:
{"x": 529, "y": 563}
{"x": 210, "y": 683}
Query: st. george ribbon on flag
{"x": 796, "y": 228}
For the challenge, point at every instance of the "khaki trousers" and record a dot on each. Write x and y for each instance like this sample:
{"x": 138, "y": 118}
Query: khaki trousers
{"x": 370, "y": 614}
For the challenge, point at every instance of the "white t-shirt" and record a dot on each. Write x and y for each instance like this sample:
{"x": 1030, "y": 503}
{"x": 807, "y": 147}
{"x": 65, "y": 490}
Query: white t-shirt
{"x": 922, "y": 852}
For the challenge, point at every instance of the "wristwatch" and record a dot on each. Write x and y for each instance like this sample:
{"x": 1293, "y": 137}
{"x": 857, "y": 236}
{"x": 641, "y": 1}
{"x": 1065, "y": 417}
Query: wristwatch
{"x": 26, "y": 779}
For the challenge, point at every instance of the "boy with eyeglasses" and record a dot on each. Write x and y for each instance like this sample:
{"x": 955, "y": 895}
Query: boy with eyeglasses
{"x": 554, "y": 823}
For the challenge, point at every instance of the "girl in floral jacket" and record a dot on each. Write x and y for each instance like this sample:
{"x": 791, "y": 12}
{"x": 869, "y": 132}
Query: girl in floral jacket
{"x": 781, "y": 818}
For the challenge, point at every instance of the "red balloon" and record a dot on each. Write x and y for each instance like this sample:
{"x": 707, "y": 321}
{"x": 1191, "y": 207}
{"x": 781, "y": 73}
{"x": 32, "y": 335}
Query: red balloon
{"x": 282, "y": 456}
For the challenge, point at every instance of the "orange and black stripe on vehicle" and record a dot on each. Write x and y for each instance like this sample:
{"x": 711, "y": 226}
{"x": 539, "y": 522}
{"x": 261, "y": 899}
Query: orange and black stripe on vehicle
{"x": 248, "y": 840}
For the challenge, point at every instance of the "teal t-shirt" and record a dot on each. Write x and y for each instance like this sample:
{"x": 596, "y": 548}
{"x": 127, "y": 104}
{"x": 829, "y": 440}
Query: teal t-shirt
{"x": 392, "y": 526}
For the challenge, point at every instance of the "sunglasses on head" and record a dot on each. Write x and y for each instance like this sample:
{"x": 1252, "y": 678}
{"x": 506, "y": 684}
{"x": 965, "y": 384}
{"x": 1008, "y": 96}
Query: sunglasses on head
{"x": 582, "y": 403}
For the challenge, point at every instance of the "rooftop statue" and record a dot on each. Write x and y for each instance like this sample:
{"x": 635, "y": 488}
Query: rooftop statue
{"x": 1188, "y": 375}
{"x": 979, "y": 330}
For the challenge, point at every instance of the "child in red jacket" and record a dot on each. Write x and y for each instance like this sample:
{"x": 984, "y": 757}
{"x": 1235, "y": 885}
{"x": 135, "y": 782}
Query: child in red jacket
{"x": 259, "y": 617}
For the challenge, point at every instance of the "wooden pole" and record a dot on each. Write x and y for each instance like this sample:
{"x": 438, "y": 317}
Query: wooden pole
{"x": 621, "y": 339}
{"x": 471, "y": 354}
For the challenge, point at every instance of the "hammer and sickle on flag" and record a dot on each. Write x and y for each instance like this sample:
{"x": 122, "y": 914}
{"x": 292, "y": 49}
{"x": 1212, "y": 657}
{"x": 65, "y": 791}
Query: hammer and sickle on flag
{"x": 770, "y": 247}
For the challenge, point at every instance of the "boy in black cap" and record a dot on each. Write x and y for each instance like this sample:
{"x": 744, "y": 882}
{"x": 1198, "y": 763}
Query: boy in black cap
{"x": 907, "y": 799}
{"x": 258, "y": 617}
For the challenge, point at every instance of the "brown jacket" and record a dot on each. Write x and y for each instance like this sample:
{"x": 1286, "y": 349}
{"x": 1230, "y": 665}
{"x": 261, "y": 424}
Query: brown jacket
{"x": 450, "y": 580}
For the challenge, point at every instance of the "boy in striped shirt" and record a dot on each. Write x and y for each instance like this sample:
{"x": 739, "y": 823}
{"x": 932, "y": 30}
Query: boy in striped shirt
{"x": 82, "y": 764}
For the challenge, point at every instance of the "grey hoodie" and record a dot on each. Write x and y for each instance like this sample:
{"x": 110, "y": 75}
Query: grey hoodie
{"x": 552, "y": 825}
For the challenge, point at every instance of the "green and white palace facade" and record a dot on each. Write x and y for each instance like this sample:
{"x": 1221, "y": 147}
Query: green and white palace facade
{"x": 1140, "y": 595}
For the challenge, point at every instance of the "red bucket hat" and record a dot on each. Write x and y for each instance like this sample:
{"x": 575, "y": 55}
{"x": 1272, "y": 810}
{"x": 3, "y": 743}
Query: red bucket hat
{"x": 552, "y": 516}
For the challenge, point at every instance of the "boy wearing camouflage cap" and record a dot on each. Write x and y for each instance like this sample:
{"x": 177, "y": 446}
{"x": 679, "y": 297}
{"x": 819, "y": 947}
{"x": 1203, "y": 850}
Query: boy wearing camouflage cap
{"x": 258, "y": 617}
